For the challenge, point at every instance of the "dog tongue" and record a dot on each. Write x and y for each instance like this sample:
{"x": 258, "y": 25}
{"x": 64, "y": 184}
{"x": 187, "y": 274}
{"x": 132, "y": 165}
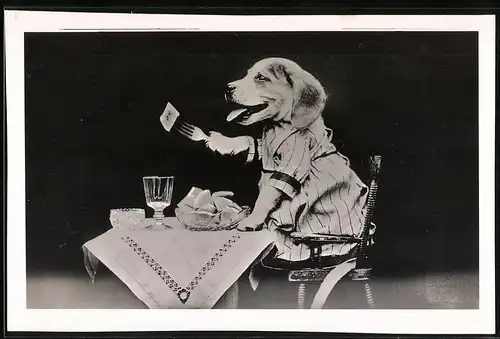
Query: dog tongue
{"x": 234, "y": 114}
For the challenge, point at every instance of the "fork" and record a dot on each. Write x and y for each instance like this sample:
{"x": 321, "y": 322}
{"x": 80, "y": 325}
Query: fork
{"x": 192, "y": 132}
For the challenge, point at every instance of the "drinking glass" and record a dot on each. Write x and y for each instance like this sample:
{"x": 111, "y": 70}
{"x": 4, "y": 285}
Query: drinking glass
{"x": 158, "y": 192}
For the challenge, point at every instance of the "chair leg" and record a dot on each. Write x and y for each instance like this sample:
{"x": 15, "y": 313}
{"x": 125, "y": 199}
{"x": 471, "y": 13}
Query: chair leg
{"x": 369, "y": 295}
{"x": 301, "y": 294}
{"x": 330, "y": 281}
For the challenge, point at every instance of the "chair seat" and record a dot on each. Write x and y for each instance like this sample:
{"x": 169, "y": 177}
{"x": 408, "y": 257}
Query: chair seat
{"x": 319, "y": 274}
{"x": 309, "y": 274}
{"x": 322, "y": 239}
{"x": 327, "y": 262}
{"x": 309, "y": 271}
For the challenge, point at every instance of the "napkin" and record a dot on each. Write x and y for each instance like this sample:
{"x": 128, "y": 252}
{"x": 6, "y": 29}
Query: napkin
{"x": 178, "y": 268}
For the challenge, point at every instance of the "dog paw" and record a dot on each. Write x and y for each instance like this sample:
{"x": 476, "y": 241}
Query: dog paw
{"x": 250, "y": 224}
{"x": 225, "y": 145}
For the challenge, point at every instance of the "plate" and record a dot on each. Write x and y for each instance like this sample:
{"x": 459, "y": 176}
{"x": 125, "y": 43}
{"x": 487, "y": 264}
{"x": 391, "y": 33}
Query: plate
{"x": 205, "y": 221}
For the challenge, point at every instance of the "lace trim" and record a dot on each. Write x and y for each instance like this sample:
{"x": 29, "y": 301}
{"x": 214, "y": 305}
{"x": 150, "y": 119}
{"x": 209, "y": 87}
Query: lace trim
{"x": 183, "y": 293}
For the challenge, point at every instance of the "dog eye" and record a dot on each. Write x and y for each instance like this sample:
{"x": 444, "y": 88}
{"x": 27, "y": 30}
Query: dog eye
{"x": 260, "y": 77}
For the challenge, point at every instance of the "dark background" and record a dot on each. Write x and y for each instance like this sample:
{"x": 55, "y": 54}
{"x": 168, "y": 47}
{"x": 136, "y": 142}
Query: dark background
{"x": 92, "y": 131}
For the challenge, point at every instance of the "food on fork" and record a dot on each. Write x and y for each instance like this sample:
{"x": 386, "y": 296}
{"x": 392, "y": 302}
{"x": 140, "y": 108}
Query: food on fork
{"x": 170, "y": 120}
{"x": 169, "y": 116}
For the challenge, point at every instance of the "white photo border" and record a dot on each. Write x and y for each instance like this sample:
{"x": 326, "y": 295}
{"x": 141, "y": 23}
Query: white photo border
{"x": 19, "y": 318}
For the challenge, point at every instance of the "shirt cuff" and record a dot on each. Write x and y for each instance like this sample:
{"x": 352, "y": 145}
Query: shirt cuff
{"x": 285, "y": 183}
{"x": 251, "y": 149}
{"x": 254, "y": 150}
{"x": 259, "y": 148}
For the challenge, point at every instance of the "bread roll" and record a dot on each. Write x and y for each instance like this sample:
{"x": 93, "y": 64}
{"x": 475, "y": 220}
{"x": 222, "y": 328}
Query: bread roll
{"x": 225, "y": 194}
{"x": 221, "y": 203}
{"x": 189, "y": 199}
{"x": 210, "y": 208}
{"x": 203, "y": 198}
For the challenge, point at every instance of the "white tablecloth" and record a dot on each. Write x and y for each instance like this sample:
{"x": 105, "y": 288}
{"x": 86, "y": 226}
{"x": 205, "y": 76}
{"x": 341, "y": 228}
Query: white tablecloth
{"x": 177, "y": 268}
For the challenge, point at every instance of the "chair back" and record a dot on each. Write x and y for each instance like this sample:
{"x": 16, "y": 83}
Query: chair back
{"x": 375, "y": 163}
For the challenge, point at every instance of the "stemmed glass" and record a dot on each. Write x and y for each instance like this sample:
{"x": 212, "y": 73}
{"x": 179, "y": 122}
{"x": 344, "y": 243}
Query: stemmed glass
{"x": 158, "y": 192}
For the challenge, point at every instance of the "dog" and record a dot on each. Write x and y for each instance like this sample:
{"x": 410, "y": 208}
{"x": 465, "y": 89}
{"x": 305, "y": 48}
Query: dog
{"x": 306, "y": 184}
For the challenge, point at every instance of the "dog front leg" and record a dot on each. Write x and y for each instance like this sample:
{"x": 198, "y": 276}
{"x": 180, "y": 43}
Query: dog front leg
{"x": 269, "y": 198}
{"x": 221, "y": 144}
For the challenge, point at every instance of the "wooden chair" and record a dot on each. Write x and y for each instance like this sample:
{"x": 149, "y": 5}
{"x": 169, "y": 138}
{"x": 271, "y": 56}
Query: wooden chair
{"x": 331, "y": 269}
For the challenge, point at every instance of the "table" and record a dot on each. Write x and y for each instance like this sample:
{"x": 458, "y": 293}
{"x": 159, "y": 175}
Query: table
{"x": 178, "y": 268}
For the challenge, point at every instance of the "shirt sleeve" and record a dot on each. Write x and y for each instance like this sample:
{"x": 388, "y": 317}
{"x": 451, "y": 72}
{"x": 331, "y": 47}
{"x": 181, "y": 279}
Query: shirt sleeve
{"x": 293, "y": 163}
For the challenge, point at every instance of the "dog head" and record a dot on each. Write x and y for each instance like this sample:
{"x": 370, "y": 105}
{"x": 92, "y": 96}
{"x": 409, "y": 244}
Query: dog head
{"x": 277, "y": 89}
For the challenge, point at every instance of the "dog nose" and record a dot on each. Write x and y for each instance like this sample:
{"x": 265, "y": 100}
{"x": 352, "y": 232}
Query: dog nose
{"x": 229, "y": 90}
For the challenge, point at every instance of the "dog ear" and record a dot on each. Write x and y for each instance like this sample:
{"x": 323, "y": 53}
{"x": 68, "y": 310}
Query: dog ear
{"x": 282, "y": 70}
{"x": 309, "y": 100}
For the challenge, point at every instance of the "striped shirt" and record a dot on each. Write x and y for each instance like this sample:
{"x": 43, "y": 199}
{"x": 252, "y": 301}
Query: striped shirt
{"x": 322, "y": 193}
